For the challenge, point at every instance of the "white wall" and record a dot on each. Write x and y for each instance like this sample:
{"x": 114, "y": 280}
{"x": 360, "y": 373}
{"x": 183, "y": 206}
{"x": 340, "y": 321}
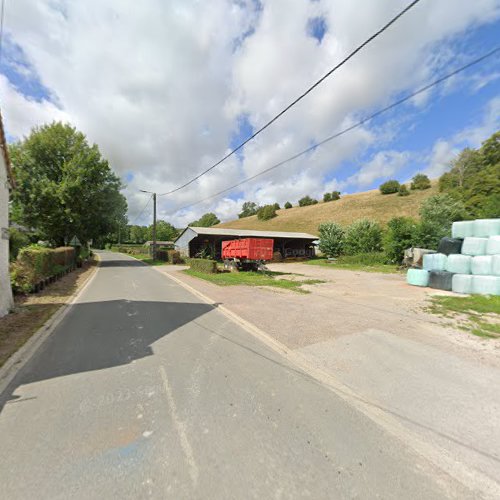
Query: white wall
{"x": 5, "y": 291}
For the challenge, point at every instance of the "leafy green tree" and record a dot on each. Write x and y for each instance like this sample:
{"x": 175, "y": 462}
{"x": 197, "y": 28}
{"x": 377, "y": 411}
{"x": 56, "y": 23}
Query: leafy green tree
{"x": 288, "y": 205}
{"x": 401, "y": 234}
{"x": 138, "y": 234}
{"x": 206, "y": 220}
{"x": 164, "y": 231}
{"x": 420, "y": 182}
{"x": 249, "y": 208}
{"x": 64, "y": 186}
{"x": 403, "y": 190}
{"x": 327, "y": 197}
{"x": 307, "y": 200}
{"x": 363, "y": 236}
{"x": 389, "y": 187}
{"x": 266, "y": 212}
{"x": 335, "y": 195}
{"x": 331, "y": 239}
{"x": 276, "y": 206}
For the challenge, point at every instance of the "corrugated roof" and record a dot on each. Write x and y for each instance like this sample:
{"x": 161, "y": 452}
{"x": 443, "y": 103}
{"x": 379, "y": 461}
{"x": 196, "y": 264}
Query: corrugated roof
{"x": 249, "y": 232}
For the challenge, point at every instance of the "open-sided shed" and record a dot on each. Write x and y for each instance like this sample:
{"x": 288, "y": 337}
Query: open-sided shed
{"x": 194, "y": 240}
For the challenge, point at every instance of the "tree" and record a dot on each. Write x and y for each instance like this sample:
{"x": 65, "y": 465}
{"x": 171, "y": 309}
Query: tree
{"x": 363, "y": 236}
{"x": 64, "y": 186}
{"x": 335, "y": 195}
{"x": 403, "y": 190}
{"x": 307, "y": 200}
{"x": 327, "y": 197}
{"x": 401, "y": 234}
{"x": 249, "y": 208}
{"x": 207, "y": 220}
{"x": 138, "y": 234}
{"x": 276, "y": 206}
{"x": 389, "y": 187}
{"x": 164, "y": 231}
{"x": 420, "y": 181}
{"x": 288, "y": 205}
{"x": 331, "y": 239}
{"x": 266, "y": 212}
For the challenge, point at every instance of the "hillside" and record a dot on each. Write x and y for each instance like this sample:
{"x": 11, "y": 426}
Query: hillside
{"x": 369, "y": 204}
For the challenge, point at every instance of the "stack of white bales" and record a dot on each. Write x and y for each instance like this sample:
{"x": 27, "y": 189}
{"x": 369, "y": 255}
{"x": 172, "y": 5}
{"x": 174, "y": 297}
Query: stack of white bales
{"x": 476, "y": 269}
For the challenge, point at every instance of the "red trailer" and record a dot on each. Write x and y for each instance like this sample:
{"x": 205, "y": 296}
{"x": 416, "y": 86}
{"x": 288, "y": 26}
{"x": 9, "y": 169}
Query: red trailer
{"x": 247, "y": 254}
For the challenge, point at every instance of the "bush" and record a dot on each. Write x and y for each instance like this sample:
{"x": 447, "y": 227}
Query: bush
{"x": 327, "y": 197}
{"x": 403, "y": 190}
{"x": 276, "y": 206}
{"x": 288, "y": 205}
{"x": 331, "y": 239}
{"x": 420, "y": 181}
{"x": 363, "y": 236}
{"x": 17, "y": 240}
{"x": 389, "y": 187}
{"x": 266, "y": 212}
{"x": 307, "y": 200}
{"x": 174, "y": 257}
{"x": 335, "y": 195}
{"x": 64, "y": 256}
{"x": 402, "y": 233}
{"x": 203, "y": 265}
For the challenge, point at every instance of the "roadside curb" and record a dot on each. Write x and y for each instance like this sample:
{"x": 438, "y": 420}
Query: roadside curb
{"x": 17, "y": 361}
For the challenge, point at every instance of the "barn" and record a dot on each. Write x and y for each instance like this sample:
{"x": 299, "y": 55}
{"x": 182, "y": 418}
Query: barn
{"x": 195, "y": 240}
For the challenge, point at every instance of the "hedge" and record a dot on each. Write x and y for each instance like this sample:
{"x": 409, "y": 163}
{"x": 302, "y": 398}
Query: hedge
{"x": 203, "y": 265}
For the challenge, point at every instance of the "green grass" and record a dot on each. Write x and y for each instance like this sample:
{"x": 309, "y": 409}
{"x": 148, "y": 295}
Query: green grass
{"x": 370, "y": 263}
{"x": 253, "y": 279}
{"x": 480, "y": 313}
{"x": 148, "y": 260}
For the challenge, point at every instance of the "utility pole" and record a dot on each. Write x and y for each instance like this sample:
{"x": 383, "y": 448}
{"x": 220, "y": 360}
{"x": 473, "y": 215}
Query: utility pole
{"x": 154, "y": 221}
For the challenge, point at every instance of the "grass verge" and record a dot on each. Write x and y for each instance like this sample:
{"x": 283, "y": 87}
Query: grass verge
{"x": 253, "y": 279}
{"x": 477, "y": 314}
{"x": 32, "y": 311}
{"x": 370, "y": 263}
{"x": 148, "y": 260}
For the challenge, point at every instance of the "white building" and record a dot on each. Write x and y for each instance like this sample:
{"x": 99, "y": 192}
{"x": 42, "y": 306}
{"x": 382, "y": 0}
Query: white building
{"x": 6, "y": 183}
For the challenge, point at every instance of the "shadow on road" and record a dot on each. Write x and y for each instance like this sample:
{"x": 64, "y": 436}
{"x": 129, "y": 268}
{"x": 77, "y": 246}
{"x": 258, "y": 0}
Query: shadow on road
{"x": 100, "y": 335}
{"x": 122, "y": 263}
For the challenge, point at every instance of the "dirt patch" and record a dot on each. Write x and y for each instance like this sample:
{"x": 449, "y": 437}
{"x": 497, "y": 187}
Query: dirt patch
{"x": 32, "y": 311}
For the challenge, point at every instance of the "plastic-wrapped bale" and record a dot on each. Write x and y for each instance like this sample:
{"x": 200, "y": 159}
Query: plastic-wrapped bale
{"x": 495, "y": 265}
{"x": 486, "y": 285}
{"x": 417, "y": 277}
{"x": 493, "y": 245}
{"x": 450, "y": 245}
{"x": 434, "y": 262}
{"x": 461, "y": 283}
{"x": 486, "y": 227}
{"x": 462, "y": 229}
{"x": 481, "y": 265}
{"x": 458, "y": 264}
{"x": 474, "y": 246}
{"x": 442, "y": 280}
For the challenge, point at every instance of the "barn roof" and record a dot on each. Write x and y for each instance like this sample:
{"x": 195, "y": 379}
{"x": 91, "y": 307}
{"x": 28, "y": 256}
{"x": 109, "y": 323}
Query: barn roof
{"x": 238, "y": 233}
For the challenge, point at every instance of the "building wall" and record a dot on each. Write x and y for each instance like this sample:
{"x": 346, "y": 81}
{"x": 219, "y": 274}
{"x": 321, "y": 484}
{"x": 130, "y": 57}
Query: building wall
{"x": 5, "y": 290}
{"x": 182, "y": 244}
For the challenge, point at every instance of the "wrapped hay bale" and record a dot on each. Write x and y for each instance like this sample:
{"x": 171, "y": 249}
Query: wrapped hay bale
{"x": 417, "y": 277}
{"x": 450, "y": 245}
{"x": 486, "y": 285}
{"x": 459, "y": 264}
{"x": 461, "y": 283}
{"x": 462, "y": 229}
{"x": 441, "y": 280}
{"x": 495, "y": 265}
{"x": 493, "y": 245}
{"x": 484, "y": 228}
{"x": 474, "y": 246}
{"x": 481, "y": 265}
{"x": 435, "y": 262}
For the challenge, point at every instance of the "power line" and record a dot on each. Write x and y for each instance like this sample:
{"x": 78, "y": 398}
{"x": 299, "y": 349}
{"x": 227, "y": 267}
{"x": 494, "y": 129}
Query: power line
{"x": 295, "y": 101}
{"x": 142, "y": 211}
{"x": 348, "y": 129}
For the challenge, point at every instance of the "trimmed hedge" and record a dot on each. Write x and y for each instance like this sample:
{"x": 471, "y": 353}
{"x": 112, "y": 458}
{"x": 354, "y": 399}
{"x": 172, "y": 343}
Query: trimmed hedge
{"x": 203, "y": 265}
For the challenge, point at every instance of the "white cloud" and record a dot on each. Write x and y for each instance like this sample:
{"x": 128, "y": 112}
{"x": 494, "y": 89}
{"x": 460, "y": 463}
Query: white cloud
{"x": 160, "y": 85}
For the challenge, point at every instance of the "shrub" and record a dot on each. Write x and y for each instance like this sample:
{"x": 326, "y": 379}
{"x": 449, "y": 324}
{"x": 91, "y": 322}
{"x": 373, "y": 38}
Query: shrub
{"x": 174, "y": 257}
{"x": 276, "y": 206}
{"x": 64, "y": 256}
{"x": 266, "y": 212}
{"x": 307, "y": 200}
{"x": 363, "y": 236}
{"x": 389, "y": 187}
{"x": 403, "y": 190}
{"x": 203, "y": 265}
{"x": 17, "y": 240}
{"x": 288, "y": 205}
{"x": 401, "y": 234}
{"x": 327, "y": 197}
{"x": 420, "y": 181}
{"x": 331, "y": 239}
{"x": 335, "y": 195}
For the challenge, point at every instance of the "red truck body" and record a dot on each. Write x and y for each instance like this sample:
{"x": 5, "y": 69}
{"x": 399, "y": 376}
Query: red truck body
{"x": 248, "y": 248}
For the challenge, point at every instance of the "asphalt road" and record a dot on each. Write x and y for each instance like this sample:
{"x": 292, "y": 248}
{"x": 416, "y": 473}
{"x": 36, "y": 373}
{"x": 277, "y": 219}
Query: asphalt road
{"x": 144, "y": 391}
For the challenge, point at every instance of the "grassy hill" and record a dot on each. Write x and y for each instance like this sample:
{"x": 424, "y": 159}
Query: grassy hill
{"x": 370, "y": 205}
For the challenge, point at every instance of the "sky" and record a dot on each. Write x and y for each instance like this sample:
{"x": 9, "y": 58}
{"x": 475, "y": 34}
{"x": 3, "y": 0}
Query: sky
{"x": 165, "y": 89}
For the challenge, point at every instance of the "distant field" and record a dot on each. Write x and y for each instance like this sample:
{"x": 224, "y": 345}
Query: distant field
{"x": 370, "y": 204}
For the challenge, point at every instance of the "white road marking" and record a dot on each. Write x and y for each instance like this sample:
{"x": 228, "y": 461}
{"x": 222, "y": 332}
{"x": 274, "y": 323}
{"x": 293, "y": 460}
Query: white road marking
{"x": 180, "y": 427}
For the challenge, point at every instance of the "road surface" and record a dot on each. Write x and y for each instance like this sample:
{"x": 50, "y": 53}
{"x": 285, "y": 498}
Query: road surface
{"x": 144, "y": 391}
